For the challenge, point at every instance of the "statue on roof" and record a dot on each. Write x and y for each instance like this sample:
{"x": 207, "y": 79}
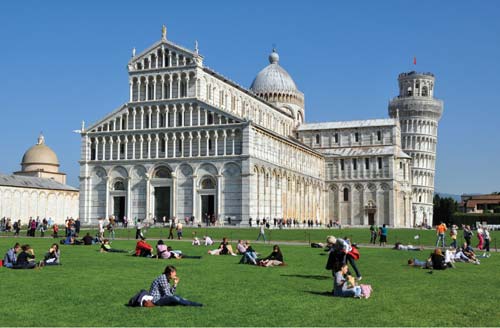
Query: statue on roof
{"x": 41, "y": 139}
{"x": 196, "y": 46}
{"x": 163, "y": 32}
{"x": 133, "y": 52}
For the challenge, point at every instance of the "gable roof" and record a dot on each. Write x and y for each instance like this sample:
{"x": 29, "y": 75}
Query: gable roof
{"x": 167, "y": 43}
{"x": 33, "y": 182}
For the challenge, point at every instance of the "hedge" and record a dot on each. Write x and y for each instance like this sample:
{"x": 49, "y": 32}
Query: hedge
{"x": 471, "y": 219}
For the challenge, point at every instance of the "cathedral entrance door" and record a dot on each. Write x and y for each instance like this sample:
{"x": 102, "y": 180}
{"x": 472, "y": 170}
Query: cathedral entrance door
{"x": 162, "y": 202}
{"x": 208, "y": 207}
{"x": 119, "y": 207}
{"x": 371, "y": 218}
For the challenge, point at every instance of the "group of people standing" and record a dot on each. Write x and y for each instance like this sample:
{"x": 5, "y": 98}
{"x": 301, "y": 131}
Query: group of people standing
{"x": 380, "y": 233}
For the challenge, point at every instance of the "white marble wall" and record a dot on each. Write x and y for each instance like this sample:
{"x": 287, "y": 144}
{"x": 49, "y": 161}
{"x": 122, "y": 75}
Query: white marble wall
{"x": 21, "y": 203}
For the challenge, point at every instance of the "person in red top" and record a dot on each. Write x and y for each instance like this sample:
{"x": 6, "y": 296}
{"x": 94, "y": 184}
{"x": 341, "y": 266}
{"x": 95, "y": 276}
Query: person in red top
{"x": 142, "y": 248}
{"x": 440, "y": 230}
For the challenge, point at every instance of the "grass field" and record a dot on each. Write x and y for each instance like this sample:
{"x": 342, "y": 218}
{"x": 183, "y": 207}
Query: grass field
{"x": 357, "y": 235}
{"x": 91, "y": 288}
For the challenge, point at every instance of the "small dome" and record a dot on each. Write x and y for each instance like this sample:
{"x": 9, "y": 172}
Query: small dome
{"x": 40, "y": 154}
{"x": 273, "y": 78}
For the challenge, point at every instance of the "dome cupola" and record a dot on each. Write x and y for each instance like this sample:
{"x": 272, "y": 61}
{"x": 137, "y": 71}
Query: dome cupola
{"x": 276, "y": 86}
{"x": 40, "y": 157}
{"x": 273, "y": 78}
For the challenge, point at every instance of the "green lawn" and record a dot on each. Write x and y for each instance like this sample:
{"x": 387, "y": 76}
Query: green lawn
{"x": 357, "y": 235}
{"x": 91, "y": 288}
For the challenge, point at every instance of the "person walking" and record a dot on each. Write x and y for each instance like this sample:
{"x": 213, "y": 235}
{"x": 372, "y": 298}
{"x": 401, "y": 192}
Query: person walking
{"x": 467, "y": 234}
{"x": 486, "y": 248}
{"x": 373, "y": 234}
{"x": 262, "y": 232}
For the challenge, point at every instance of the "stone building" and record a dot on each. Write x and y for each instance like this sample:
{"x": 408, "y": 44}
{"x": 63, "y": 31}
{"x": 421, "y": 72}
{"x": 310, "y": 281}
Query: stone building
{"x": 191, "y": 142}
{"x": 39, "y": 189}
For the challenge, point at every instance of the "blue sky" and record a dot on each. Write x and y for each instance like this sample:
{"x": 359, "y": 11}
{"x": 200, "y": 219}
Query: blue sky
{"x": 62, "y": 62}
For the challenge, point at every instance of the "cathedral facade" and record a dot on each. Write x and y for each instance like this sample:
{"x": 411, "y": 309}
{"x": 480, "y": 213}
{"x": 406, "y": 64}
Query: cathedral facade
{"x": 192, "y": 143}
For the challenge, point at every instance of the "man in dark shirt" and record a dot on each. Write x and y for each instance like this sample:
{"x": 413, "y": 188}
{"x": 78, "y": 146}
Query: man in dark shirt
{"x": 87, "y": 239}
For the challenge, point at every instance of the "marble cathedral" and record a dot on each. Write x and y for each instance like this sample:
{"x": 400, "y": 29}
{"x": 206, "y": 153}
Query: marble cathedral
{"x": 192, "y": 143}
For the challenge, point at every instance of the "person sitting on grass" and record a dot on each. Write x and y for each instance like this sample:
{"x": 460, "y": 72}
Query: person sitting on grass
{"x": 26, "y": 259}
{"x": 87, "y": 239}
{"x": 106, "y": 248}
{"x": 344, "y": 285}
{"x": 52, "y": 257}
{"x": 224, "y": 249}
{"x": 10, "y": 258}
{"x": 163, "y": 252}
{"x": 143, "y": 249}
{"x": 399, "y": 246}
{"x": 163, "y": 289}
{"x": 249, "y": 256}
{"x": 469, "y": 253}
{"x": 241, "y": 247}
{"x": 274, "y": 259}
{"x": 437, "y": 259}
{"x": 208, "y": 241}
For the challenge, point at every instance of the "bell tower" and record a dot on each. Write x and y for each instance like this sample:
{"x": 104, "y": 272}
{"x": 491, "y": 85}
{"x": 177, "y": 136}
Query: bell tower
{"x": 419, "y": 113}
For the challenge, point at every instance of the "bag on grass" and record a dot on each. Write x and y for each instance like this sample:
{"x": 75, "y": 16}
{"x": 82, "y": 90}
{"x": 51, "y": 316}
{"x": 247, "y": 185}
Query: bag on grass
{"x": 136, "y": 299}
{"x": 366, "y": 290}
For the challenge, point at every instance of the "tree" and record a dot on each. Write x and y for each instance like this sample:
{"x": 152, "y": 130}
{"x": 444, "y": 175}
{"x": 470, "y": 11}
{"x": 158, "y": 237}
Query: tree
{"x": 444, "y": 209}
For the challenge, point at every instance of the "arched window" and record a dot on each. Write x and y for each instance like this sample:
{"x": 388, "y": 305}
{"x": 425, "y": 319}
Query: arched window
{"x": 425, "y": 91}
{"x": 346, "y": 195}
{"x": 207, "y": 183}
{"x": 409, "y": 92}
{"x": 317, "y": 139}
{"x": 119, "y": 185}
{"x": 162, "y": 173}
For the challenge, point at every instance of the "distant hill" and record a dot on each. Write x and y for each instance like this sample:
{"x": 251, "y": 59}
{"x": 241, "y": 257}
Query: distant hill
{"x": 444, "y": 195}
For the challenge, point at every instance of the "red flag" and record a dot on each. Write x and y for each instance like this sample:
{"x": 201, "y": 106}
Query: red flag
{"x": 414, "y": 60}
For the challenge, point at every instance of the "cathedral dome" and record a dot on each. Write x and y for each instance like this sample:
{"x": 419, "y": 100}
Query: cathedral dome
{"x": 273, "y": 78}
{"x": 40, "y": 155}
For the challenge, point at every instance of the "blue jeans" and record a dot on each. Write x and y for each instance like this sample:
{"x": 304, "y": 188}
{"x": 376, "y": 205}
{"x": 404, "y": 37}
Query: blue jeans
{"x": 440, "y": 238}
{"x": 175, "y": 300}
{"x": 263, "y": 236}
{"x": 350, "y": 292}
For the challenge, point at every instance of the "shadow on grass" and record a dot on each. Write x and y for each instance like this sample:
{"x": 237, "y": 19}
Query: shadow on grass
{"x": 306, "y": 276}
{"x": 329, "y": 294}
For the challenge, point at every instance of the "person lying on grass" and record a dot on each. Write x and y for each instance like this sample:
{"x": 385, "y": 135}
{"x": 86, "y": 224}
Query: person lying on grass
{"x": 106, "y": 248}
{"x": 400, "y": 247}
{"x": 416, "y": 263}
{"x": 344, "y": 285}
{"x": 163, "y": 289}
{"x": 224, "y": 249}
{"x": 274, "y": 259}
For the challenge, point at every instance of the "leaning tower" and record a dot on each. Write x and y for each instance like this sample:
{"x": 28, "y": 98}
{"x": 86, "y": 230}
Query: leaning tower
{"x": 419, "y": 113}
